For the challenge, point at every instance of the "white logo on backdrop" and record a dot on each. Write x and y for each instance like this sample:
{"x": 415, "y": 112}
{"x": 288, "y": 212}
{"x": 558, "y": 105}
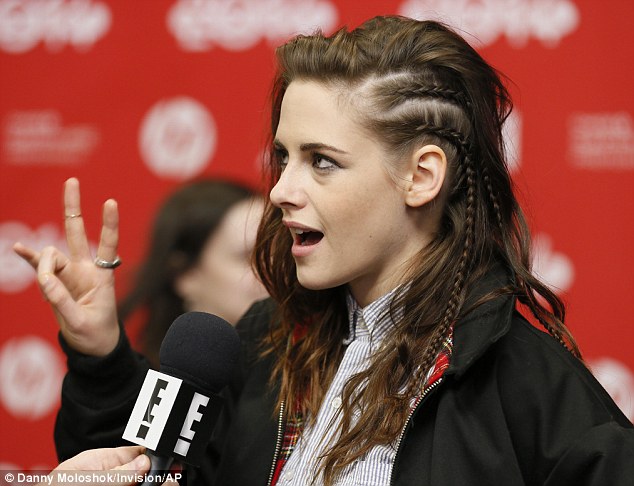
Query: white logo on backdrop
{"x": 55, "y": 23}
{"x": 554, "y": 269}
{"x": 39, "y": 137}
{"x": 601, "y": 140}
{"x": 512, "y": 136}
{"x": 177, "y": 138}
{"x": 16, "y": 274}
{"x": 31, "y": 374}
{"x": 236, "y": 25}
{"x": 618, "y": 380}
{"x": 487, "y": 20}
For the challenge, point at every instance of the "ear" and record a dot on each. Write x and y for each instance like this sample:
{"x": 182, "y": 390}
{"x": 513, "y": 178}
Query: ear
{"x": 186, "y": 284}
{"x": 428, "y": 166}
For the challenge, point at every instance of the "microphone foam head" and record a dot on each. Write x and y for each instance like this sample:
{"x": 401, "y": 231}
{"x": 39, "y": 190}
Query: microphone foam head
{"x": 202, "y": 350}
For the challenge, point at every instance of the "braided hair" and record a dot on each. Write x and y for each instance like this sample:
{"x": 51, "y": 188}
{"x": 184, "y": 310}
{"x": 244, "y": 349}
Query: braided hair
{"x": 412, "y": 83}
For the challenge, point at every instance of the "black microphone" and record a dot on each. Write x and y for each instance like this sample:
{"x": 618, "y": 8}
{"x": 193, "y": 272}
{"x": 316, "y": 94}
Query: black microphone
{"x": 177, "y": 408}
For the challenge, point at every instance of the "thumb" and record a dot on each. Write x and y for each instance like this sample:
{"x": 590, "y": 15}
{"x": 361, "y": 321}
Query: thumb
{"x": 55, "y": 292}
{"x": 131, "y": 471}
{"x": 140, "y": 464}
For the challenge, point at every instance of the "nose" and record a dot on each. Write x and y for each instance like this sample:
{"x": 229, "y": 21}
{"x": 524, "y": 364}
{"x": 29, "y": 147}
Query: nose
{"x": 288, "y": 192}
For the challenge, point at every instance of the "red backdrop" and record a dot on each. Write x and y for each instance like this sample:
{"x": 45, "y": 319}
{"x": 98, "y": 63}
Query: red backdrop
{"x": 134, "y": 97}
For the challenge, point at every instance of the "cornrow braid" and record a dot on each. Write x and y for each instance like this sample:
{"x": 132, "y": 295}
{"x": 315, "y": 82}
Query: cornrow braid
{"x": 408, "y": 81}
{"x": 458, "y": 140}
{"x": 466, "y": 166}
{"x": 527, "y": 296}
{"x": 492, "y": 198}
{"x": 435, "y": 91}
{"x": 551, "y": 330}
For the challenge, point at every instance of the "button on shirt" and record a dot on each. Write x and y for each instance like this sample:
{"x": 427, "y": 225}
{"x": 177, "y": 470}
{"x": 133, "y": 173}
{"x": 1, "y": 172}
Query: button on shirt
{"x": 368, "y": 328}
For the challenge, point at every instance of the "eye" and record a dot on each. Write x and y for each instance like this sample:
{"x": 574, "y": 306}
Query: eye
{"x": 281, "y": 157}
{"x": 323, "y": 163}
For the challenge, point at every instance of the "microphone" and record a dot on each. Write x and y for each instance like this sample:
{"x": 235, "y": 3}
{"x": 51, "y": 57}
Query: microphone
{"x": 177, "y": 407}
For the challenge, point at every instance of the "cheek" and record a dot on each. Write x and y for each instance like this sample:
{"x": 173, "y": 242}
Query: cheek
{"x": 361, "y": 219}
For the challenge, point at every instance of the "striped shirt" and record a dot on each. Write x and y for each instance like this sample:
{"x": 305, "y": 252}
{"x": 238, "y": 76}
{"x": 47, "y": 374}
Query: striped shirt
{"x": 368, "y": 327}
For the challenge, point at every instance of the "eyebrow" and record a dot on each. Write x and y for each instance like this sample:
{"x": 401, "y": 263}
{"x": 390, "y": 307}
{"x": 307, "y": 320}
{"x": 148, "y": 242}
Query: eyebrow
{"x": 307, "y": 147}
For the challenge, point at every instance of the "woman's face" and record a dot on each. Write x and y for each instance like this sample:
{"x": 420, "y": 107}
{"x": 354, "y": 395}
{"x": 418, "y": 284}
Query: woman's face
{"x": 223, "y": 282}
{"x": 347, "y": 216}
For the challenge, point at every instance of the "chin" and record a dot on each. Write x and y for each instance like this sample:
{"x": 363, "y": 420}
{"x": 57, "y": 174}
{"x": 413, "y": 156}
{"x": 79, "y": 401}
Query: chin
{"x": 310, "y": 281}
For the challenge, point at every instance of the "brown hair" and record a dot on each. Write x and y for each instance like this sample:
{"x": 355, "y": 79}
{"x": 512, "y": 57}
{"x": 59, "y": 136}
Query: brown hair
{"x": 181, "y": 228}
{"x": 420, "y": 83}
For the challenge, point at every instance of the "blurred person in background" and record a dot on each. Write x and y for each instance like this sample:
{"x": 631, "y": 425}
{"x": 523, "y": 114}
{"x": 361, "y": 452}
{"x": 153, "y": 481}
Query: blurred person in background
{"x": 198, "y": 259}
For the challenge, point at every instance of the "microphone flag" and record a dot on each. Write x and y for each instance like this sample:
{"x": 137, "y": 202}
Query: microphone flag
{"x": 171, "y": 418}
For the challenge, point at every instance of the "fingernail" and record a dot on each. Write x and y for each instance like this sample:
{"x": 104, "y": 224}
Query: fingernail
{"x": 45, "y": 280}
{"x": 140, "y": 462}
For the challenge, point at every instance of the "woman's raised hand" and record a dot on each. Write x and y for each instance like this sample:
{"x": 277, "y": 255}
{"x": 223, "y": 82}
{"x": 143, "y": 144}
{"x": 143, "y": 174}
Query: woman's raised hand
{"x": 80, "y": 288}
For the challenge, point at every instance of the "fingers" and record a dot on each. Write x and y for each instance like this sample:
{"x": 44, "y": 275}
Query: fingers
{"x": 140, "y": 464}
{"x": 51, "y": 262}
{"x": 94, "y": 464}
{"x": 127, "y": 458}
{"x": 74, "y": 222}
{"x": 109, "y": 232}
{"x": 32, "y": 257}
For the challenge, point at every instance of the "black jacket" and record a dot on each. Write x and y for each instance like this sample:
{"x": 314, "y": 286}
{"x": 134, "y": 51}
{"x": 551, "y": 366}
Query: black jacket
{"x": 514, "y": 408}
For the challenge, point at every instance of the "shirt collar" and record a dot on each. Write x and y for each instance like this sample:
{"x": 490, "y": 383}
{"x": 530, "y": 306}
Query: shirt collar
{"x": 375, "y": 317}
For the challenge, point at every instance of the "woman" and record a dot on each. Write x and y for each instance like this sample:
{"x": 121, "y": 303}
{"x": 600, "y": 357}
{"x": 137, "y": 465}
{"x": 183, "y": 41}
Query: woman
{"x": 204, "y": 233}
{"x": 395, "y": 254}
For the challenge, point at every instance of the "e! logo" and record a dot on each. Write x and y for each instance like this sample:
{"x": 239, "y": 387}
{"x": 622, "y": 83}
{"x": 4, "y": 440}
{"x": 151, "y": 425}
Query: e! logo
{"x": 193, "y": 415}
{"x": 155, "y": 400}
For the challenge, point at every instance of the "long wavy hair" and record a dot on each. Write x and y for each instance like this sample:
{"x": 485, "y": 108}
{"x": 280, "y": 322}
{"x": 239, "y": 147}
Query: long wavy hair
{"x": 413, "y": 83}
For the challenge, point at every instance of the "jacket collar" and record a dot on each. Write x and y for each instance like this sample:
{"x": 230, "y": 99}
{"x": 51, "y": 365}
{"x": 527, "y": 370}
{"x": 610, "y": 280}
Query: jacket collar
{"x": 487, "y": 323}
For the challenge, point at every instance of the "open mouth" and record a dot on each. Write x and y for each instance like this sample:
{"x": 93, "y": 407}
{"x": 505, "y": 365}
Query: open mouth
{"x": 307, "y": 238}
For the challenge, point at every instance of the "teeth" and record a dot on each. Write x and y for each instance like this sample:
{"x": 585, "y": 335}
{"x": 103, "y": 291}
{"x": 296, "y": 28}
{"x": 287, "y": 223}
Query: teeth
{"x": 299, "y": 232}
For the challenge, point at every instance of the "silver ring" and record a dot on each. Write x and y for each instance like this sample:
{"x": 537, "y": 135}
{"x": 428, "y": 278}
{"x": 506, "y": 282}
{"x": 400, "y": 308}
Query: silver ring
{"x": 106, "y": 264}
{"x": 71, "y": 216}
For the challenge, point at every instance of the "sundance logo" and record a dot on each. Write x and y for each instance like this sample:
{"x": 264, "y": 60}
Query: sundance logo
{"x": 555, "y": 269}
{"x": 618, "y": 380}
{"x": 177, "y": 138}
{"x": 16, "y": 274}
{"x": 31, "y": 373}
{"x": 55, "y": 23}
{"x": 487, "y": 20}
{"x": 237, "y": 25}
{"x": 512, "y": 136}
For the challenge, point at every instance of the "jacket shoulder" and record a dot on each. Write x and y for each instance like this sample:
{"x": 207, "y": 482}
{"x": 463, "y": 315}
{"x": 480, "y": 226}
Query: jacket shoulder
{"x": 531, "y": 361}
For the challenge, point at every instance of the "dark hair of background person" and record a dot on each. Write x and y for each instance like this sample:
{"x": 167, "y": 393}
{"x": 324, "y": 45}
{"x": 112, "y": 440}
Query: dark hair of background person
{"x": 182, "y": 227}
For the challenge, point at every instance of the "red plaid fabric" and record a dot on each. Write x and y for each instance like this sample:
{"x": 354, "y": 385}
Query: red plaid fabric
{"x": 294, "y": 424}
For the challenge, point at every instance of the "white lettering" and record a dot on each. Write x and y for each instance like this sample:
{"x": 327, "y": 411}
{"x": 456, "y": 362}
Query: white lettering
{"x": 55, "y": 23}
{"x": 193, "y": 415}
{"x": 39, "y": 137}
{"x": 488, "y": 20}
{"x": 34, "y": 478}
{"x": 601, "y": 140}
{"x": 238, "y": 25}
